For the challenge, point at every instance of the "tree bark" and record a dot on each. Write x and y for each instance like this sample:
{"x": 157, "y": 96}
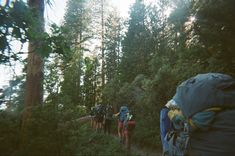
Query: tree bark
{"x": 102, "y": 45}
{"x": 34, "y": 73}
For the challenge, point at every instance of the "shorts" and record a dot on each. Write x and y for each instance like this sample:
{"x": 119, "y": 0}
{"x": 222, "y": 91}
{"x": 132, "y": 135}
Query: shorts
{"x": 120, "y": 124}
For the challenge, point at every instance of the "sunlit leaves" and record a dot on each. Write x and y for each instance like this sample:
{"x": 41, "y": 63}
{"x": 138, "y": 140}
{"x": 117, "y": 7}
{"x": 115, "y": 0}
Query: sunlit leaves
{"x": 18, "y": 23}
{"x": 13, "y": 26}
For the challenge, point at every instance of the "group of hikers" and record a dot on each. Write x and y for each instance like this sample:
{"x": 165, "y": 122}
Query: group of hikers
{"x": 199, "y": 119}
{"x": 102, "y": 117}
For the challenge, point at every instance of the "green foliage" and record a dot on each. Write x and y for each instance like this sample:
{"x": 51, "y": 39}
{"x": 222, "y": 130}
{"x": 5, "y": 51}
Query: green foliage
{"x": 178, "y": 49}
{"x": 18, "y": 23}
{"x": 9, "y": 132}
{"x": 54, "y": 130}
{"x": 55, "y": 42}
{"x": 14, "y": 94}
{"x": 58, "y": 42}
{"x": 93, "y": 143}
{"x": 215, "y": 27}
{"x": 71, "y": 86}
{"x": 112, "y": 43}
{"x": 90, "y": 78}
{"x": 111, "y": 94}
{"x": 51, "y": 130}
{"x": 143, "y": 66}
{"x": 14, "y": 23}
{"x": 135, "y": 45}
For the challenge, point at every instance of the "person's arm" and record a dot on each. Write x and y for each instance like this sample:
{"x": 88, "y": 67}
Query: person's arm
{"x": 117, "y": 114}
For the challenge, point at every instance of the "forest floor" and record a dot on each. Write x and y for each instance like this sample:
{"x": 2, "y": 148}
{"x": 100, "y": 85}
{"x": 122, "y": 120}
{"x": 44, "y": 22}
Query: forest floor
{"x": 135, "y": 149}
{"x": 142, "y": 151}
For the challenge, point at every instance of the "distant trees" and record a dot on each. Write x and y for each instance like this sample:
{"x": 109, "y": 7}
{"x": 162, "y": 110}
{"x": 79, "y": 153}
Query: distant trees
{"x": 214, "y": 31}
{"x": 135, "y": 46}
{"x": 90, "y": 81}
{"x": 77, "y": 18}
{"x": 137, "y": 62}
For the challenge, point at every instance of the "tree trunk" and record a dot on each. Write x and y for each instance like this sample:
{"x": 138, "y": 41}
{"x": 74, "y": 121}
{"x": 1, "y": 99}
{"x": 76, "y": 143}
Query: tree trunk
{"x": 34, "y": 78}
{"x": 34, "y": 75}
{"x": 102, "y": 45}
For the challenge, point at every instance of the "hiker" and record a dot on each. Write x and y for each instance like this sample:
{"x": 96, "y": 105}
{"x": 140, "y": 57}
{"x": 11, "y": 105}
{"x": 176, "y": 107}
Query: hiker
{"x": 122, "y": 115}
{"x": 100, "y": 111}
{"x": 128, "y": 128}
{"x": 108, "y": 119}
{"x": 92, "y": 114}
{"x": 95, "y": 117}
{"x": 204, "y": 123}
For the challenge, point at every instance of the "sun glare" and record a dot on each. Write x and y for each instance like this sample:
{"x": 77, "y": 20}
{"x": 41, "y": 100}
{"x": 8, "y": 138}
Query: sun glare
{"x": 192, "y": 18}
{"x": 168, "y": 11}
{"x": 123, "y": 6}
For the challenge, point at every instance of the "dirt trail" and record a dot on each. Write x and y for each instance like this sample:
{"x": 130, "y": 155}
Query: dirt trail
{"x": 144, "y": 152}
{"x": 141, "y": 151}
{"x": 134, "y": 148}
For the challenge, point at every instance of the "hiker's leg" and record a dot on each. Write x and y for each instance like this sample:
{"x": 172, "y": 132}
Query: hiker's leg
{"x": 99, "y": 123}
{"x": 96, "y": 124}
{"x": 105, "y": 126}
{"x": 100, "y": 126}
{"x": 120, "y": 125}
{"x": 107, "y": 123}
{"x": 129, "y": 139}
{"x": 126, "y": 139}
{"x": 109, "y": 126}
{"x": 119, "y": 132}
{"x": 123, "y": 134}
{"x": 92, "y": 122}
{"x": 103, "y": 123}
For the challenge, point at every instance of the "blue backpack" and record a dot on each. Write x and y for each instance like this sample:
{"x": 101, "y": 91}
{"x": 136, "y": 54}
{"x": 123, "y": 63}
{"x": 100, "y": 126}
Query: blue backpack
{"x": 206, "y": 126}
{"x": 123, "y": 111}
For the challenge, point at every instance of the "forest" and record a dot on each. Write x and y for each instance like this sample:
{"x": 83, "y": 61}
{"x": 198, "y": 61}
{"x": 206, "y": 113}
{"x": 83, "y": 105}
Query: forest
{"x": 96, "y": 56}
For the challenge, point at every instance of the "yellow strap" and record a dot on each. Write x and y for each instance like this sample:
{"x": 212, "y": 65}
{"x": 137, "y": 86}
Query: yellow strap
{"x": 214, "y": 109}
{"x": 192, "y": 124}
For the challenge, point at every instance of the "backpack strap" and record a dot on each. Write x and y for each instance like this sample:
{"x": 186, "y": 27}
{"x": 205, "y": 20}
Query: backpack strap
{"x": 202, "y": 120}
